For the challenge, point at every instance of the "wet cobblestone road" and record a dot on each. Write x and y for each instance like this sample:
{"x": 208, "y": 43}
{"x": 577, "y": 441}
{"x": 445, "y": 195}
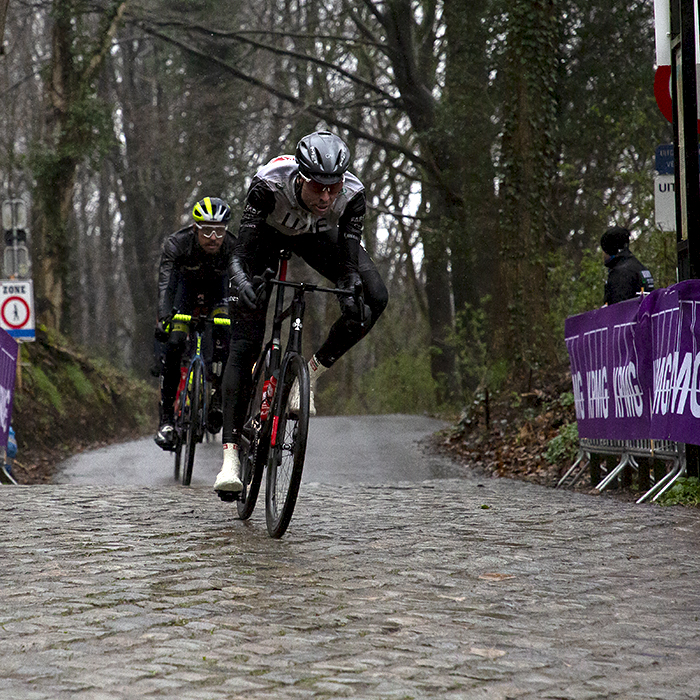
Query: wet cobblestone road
{"x": 455, "y": 588}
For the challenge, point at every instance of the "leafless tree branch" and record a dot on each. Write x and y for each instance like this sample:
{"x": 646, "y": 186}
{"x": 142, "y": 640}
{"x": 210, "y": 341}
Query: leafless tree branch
{"x": 328, "y": 116}
{"x": 241, "y": 37}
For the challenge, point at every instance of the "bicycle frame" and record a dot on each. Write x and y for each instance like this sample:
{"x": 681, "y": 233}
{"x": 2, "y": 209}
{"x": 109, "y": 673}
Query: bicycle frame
{"x": 197, "y": 335}
{"x": 198, "y": 331}
{"x": 295, "y": 311}
{"x": 275, "y": 429}
{"x": 195, "y": 373}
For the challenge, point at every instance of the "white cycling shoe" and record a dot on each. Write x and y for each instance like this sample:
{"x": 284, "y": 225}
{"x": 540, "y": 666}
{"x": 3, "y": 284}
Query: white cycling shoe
{"x": 228, "y": 478}
{"x": 294, "y": 399}
{"x": 316, "y": 369}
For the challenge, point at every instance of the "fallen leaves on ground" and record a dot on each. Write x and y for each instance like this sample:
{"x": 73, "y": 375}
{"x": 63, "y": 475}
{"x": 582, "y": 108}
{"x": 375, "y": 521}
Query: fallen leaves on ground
{"x": 487, "y": 653}
{"x": 494, "y": 576}
{"x": 514, "y": 443}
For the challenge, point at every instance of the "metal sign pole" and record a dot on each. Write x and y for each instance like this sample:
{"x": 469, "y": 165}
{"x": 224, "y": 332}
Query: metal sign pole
{"x": 685, "y": 137}
{"x": 685, "y": 141}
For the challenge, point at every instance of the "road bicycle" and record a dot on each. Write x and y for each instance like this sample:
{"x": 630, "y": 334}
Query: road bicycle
{"x": 275, "y": 432}
{"x": 193, "y": 396}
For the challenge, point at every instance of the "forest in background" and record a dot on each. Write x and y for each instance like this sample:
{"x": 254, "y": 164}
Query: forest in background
{"x": 496, "y": 140}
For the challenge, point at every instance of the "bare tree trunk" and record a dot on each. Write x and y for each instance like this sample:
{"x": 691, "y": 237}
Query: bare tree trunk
{"x": 528, "y": 173}
{"x": 3, "y": 16}
{"x": 466, "y": 121}
{"x": 54, "y": 174}
{"x": 68, "y": 137}
{"x": 415, "y": 76}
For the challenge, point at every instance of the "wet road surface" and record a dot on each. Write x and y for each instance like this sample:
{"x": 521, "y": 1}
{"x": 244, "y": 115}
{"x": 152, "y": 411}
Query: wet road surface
{"x": 341, "y": 450}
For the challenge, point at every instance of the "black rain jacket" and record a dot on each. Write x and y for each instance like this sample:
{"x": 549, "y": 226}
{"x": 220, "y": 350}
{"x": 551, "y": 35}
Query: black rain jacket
{"x": 627, "y": 277}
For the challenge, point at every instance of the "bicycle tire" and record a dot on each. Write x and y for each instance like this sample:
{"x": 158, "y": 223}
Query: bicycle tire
{"x": 195, "y": 424}
{"x": 285, "y": 461}
{"x": 253, "y": 448}
{"x": 179, "y": 432}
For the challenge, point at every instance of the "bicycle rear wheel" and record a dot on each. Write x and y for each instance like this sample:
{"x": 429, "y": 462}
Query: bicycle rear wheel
{"x": 287, "y": 447}
{"x": 254, "y": 445}
{"x": 195, "y": 424}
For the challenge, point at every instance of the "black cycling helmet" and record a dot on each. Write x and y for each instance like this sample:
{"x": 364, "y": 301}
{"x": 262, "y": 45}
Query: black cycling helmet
{"x": 614, "y": 240}
{"x": 212, "y": 210}
{"x": 323, "y": 157}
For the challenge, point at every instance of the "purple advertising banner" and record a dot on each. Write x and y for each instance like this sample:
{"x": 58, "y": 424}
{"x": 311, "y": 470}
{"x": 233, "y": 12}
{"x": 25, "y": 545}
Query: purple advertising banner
{"x": 658, "y": 345}
{"x": 670, "y": 326}
{"x": 605, "y": 371}
{"x": 635, "y": 367}
{"x": 8, "y": 371}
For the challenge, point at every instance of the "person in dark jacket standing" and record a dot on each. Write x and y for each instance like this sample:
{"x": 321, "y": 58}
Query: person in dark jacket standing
{"x": 193, "y": 277}
{"x": 627, "y": 277}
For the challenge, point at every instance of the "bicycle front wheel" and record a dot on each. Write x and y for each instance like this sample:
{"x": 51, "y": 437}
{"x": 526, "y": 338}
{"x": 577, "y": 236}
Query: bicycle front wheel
{"x": 253, "y": 448}
{"x": 195, "y": 424}
{"x": 290, "y": 428}
{"x": 180, "y": 432}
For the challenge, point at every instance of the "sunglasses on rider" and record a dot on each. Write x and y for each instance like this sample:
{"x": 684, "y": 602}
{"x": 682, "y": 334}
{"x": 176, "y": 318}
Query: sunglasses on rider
{"x": 319, "y": 188}
{"x": 209, "y": 230}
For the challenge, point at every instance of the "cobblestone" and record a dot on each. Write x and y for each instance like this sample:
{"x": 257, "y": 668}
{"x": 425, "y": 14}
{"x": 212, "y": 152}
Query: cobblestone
{"x": 452, "y": 588}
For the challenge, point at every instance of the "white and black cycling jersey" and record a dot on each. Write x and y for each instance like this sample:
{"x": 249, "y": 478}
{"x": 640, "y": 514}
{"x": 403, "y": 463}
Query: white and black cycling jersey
{"x": 283, "y": 210}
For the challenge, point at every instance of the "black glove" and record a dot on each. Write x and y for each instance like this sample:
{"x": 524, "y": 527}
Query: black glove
{"x": 261, "y": 284}
{"x": 353, "y": 308}
{"x": 246, "y": 293}
{"x": 242, "y": 286}
{"x": 163, "y": 329}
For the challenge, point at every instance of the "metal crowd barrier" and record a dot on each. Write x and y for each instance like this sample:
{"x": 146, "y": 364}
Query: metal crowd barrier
{"x": 6, "y": 477}
{"x": 627, "y": 450}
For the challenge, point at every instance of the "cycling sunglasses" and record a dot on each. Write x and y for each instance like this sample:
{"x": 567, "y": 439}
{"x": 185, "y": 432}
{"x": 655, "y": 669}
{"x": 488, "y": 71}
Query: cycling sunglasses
{"x": 319, "y": 188}
{"x": 209, "y": 230}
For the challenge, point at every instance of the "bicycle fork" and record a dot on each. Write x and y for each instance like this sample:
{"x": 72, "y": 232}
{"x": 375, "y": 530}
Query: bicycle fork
{"x": 293, "y": 345}
{"x": 198, "y": 356}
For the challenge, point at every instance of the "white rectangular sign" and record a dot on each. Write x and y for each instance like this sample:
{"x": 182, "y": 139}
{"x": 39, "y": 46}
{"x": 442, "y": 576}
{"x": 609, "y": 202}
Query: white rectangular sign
{"x": 17, "y": 309}
{"x": 665, "y": 202}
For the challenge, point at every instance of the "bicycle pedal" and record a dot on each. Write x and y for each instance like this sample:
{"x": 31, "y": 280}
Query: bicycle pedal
{"x": 229, "y": 496}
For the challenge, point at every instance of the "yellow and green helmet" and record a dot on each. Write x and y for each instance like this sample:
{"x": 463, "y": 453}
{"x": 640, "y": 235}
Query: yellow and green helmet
{"x": 211, "y": 210}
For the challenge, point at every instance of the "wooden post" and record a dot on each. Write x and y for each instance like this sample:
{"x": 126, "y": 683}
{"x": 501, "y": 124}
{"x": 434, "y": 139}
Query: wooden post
{"x": 643, "y": 476}
{"x": 594, "y": 466}
{"x": 18, "y": 370}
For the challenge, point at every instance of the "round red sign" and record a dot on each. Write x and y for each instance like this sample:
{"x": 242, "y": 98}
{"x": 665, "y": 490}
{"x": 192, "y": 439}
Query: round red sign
{"x": 662, "y": 92}
{"x": 17, "y": 315}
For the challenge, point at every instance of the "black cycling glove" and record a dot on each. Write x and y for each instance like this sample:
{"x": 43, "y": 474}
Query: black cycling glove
{"x": 163, "y": 329}
{"x": 242, "y": 285}
{"x": 253, "y": 293}
{"x": 353, "y": 308}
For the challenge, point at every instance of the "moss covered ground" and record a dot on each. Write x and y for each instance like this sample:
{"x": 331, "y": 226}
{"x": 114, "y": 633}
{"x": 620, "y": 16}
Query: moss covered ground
{"x": 66, "y": 401}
